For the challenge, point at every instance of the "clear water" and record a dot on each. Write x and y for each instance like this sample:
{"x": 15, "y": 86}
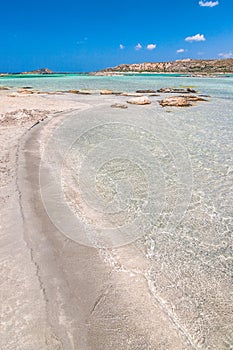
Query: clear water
{"x": 221, "y": 87}
{"x": 190, "y": 268}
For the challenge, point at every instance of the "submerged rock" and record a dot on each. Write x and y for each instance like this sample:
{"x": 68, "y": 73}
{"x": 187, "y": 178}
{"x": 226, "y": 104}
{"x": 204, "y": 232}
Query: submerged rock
{"x": 119, "y": 105}
{"x": 139, "y": 101}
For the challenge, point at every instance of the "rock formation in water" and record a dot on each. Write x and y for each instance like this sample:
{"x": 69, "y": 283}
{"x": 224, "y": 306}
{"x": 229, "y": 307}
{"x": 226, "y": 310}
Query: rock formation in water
{"x": 40, "y": 71}
{"x": 180, "y": 101}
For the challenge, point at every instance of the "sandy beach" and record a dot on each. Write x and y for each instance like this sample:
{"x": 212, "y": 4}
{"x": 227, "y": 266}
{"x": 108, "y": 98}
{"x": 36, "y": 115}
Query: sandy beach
{"x": 59, "y": 294}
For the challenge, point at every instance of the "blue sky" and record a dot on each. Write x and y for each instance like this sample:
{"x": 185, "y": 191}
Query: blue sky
{"x": 86, "y": 35}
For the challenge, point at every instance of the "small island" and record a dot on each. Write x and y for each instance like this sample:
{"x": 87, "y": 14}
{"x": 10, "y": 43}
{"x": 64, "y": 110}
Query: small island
{"x": 40, "y": 71}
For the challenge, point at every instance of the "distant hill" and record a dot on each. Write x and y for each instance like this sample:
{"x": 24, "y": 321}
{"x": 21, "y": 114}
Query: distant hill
{"x": 40, "y": 71}
{"x": 179, "y": 66}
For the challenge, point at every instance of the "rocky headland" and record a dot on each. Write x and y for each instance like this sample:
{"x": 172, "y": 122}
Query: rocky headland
{"x": 189, "y": 66}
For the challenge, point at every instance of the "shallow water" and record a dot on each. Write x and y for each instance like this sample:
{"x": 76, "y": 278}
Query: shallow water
{"x": 131, "y": 161}
{"x": 222, "y": 87}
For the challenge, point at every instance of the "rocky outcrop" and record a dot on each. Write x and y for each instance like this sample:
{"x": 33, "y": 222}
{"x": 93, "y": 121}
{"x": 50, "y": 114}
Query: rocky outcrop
{"x": 180, "y": 101}
{"x": 195, "y": 67}
{"x": 81, "y": 92}
{"x": 179, "y": 91}
{"x": 175, "y": 102}
{"x": 106, "y": 92}
{"x": 86, "y": 92}
{"x": 139, "y": 101}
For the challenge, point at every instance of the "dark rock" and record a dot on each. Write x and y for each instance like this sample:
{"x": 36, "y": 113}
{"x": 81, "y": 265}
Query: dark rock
{"x": 145, "y": 91}
{"x": 117, "y": 93}
{"x": 177, "y": 91}
{"x": 191, "y": 90}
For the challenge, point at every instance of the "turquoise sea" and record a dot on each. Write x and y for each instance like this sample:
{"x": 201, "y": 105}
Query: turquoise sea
{"x": 219, "y": 87}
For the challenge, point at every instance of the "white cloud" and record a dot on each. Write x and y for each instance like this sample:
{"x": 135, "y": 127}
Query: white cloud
{"x": 197, "y": 37}
{"x": 226, "y": 54}
{"x": 121, "y": 47}
{"x": 151, "y": 46}
{"x": 138, "y": 46}
{"x": 180, "y": 50}
{"x": 208, "y": 3}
